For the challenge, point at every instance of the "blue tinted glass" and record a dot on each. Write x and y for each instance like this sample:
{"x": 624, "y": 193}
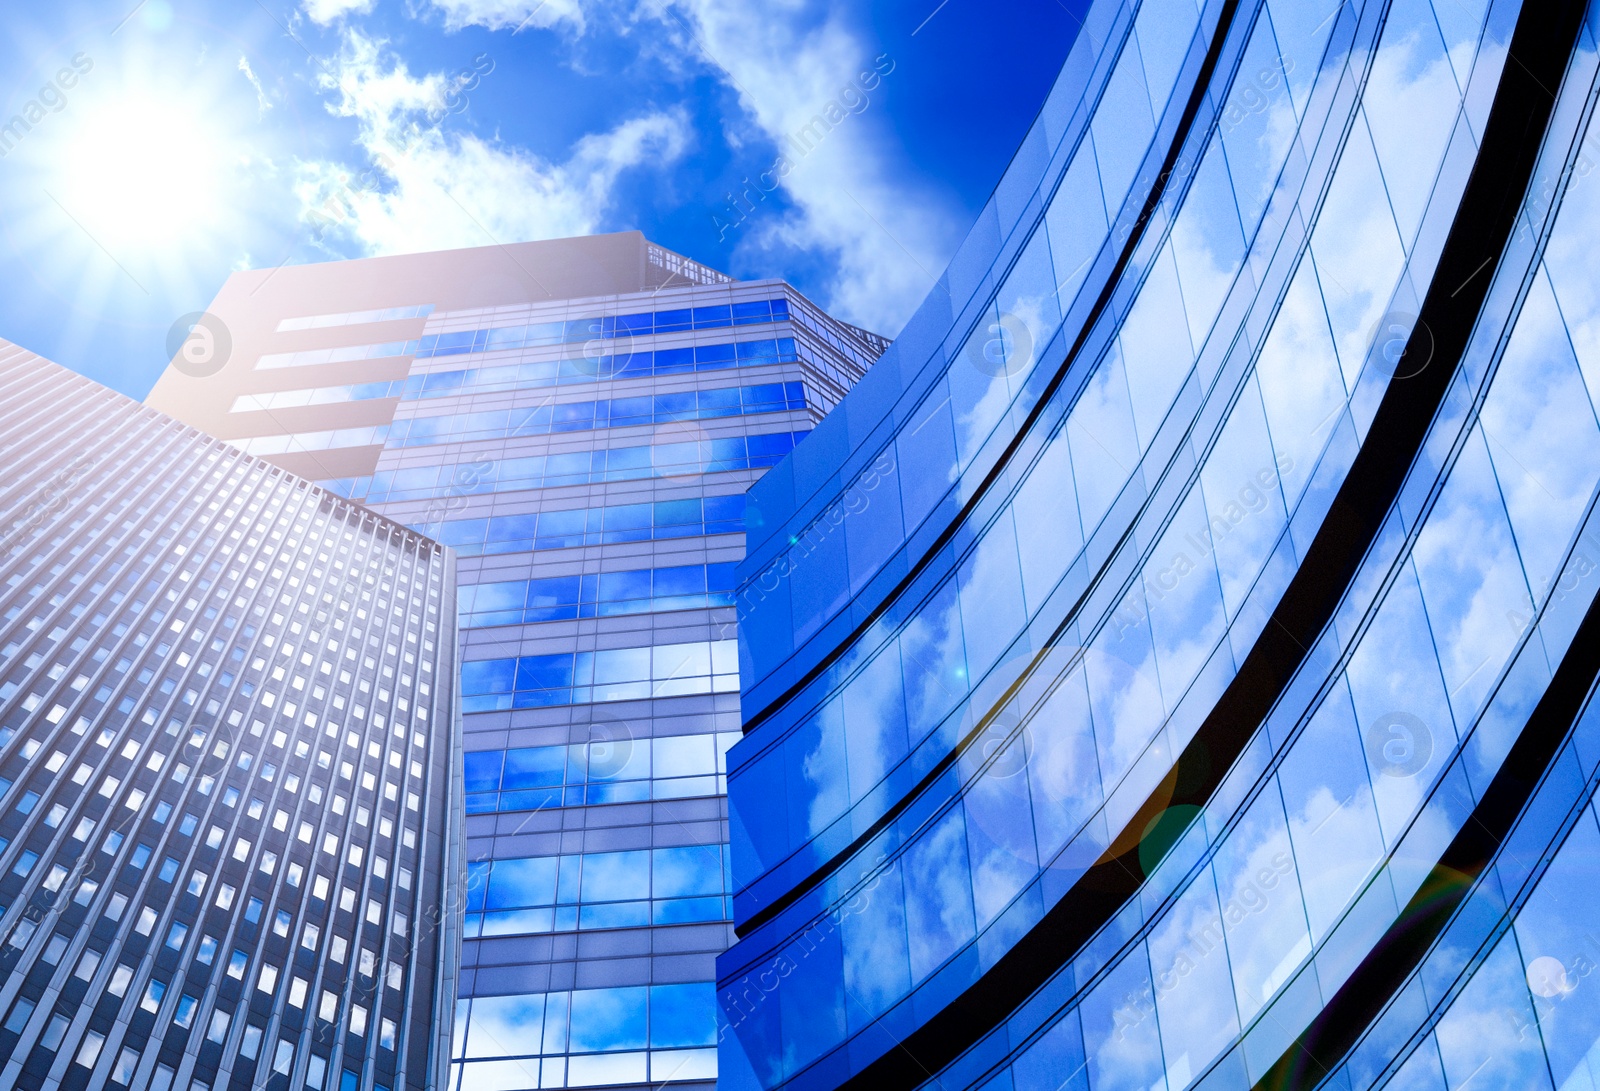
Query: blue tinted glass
{"x": 608, "y": 1019}
{"x": 669, "y": 513}
{"x": 514, "y": 884}
{"x": 683, "y": 1015}
{"x": 557, "y": 523}
{"x": 687, "y": 580}
{"x": 632, "y": 410}
{"x": 462, "y": 532}
{"x": 721, "y": 508}
{"x": 534, "y": 799}
{"x": 773, "y": 444}
{"x": 670, "y": 406}
{"x": 687, "y": 871}
{"x": 511, "y": 528}
{"x": 614, "y": 876}
{"x": 618, "y": 586}
{"x": 629, "y": 517}
{"x": 727, "y": 398}
{"x": 477, "y": 884}
{"x": 487, "y": 675}
{"x": 534, "y": 767}
{"x": 552, "y": 592}
{"x": 667, "y": 360}
{"x": 544, "y": 672}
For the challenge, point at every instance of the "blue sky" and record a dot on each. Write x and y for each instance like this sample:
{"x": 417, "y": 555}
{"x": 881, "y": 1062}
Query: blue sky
{"x": 164, "y": 144}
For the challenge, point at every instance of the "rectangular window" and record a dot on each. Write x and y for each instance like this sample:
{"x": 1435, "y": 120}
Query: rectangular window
{"x": 54, "y": 1032}
{"x": 87, "y": 965}
{"x": 89, "y": 1051}
{"x": 127, "y": 1063}
{"x": 21, "y": 1012}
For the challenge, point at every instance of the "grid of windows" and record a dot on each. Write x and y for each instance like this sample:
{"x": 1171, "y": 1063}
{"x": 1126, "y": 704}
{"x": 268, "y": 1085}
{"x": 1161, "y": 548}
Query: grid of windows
{"x": 543, "y": 419}
{"x": 547, "y": 418}
{"x": 590, "y": 1037}
{"x": 566, "y": 529}
{"x": 223, "y": 703}
{"x": 618, "y": 769}
{"x": 535, "y": 373}
{"x": 616, "y": 329}
{"x": 490, "y": 475}
{"x": 618, "y": 674}
{"x": 600, "y": 594}
{"x": 605, "y": 327}
{"x": 681, "y": 885}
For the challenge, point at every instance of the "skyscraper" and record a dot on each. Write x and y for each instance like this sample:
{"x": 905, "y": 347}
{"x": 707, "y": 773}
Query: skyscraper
{"x": 227, "y": 708}
{"x": 579, "y": 420}
{"x": 1170, "y": 666}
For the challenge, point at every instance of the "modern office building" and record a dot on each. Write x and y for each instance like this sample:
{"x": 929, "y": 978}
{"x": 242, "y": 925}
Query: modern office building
{"x": 227, "y": 716}
{"x": 1170, "y": 666}
{"x": 579, "y": 419}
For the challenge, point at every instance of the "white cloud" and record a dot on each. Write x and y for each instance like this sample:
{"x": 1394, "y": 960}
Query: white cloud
{"x": 433, "y": 190}
{"x": 324, "y": 12}
{"x": 263, "y": 104}
{"x": 787, "y": 66}
{"x": 511, "y": 15}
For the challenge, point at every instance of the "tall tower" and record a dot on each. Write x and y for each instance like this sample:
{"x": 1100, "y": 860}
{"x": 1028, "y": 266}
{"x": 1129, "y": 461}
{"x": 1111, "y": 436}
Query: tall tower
{"x": 1171, "y": 666}
{"x": 227, "y": 713}
{"x": 578, "y": 420}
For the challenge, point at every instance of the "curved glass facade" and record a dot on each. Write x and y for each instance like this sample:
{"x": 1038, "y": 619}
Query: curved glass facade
{"x": 1168, "y": 667}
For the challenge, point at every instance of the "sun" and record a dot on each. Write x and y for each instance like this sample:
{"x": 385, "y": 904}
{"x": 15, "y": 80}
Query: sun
{"x": 142, "y": 170}
{"x": 133, "y": 178}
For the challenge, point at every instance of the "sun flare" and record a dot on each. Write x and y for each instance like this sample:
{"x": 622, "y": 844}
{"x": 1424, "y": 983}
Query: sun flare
{"x": 142, "y": 170}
